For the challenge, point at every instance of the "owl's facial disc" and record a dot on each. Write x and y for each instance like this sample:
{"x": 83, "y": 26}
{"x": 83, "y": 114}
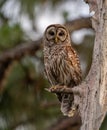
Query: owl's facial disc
{"x": 51, "y": 33}
{"x": 61, "y": 34}
{"x": 56, "y": 35}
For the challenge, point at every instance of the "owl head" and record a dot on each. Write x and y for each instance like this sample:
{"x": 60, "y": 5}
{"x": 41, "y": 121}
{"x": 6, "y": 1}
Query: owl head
{"x": 56, "y": 34}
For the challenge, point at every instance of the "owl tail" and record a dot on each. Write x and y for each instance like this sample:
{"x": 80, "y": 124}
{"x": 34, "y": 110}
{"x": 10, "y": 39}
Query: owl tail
{"x": 67, "y": 106}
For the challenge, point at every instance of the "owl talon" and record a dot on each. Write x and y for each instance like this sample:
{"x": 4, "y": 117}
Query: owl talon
{"x": 58, "y": 88}
{"x": 52, "y": 88}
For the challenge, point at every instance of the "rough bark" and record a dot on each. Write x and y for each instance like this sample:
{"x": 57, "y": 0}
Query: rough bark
{"x": 93, "y": 106}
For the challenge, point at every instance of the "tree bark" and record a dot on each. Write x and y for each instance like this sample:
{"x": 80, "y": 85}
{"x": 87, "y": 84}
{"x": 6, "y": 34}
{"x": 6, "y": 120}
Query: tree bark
{"x": 93, "y": 106}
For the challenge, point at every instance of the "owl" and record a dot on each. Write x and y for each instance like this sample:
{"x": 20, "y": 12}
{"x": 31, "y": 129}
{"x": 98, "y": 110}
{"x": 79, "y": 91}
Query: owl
{"x": 62, "y": 66}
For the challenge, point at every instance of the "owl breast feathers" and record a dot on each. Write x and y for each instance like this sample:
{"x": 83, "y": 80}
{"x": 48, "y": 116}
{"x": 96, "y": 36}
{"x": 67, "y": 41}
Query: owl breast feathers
{"x": 62, "y": 65}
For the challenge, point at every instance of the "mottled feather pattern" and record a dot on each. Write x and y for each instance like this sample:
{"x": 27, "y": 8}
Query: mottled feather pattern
{"x": 62, "y": 65}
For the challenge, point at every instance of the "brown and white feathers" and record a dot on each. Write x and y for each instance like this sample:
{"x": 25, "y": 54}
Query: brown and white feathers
{"x": 61, "y": 62}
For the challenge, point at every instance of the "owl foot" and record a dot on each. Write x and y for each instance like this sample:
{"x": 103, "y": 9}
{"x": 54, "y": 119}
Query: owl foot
{"x": 65, "y": 89}
{"x": 60, "y": 89}
{"x": 56, "y": 88}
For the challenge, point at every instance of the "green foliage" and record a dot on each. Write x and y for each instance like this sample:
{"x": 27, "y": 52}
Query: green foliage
{"x": 10, "y": 36}
{"x": 104, "y": 124}
{"x": 2, "y": 2}
{"x": 28, "y": 7}
{"x": 65, "y": 15}
{"x": 24, "y": 97}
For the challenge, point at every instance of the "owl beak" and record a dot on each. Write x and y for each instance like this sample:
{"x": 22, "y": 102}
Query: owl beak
{"x": 56, "y": 39}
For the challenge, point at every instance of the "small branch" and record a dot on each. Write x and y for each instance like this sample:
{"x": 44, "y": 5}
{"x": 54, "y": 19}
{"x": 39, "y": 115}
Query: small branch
{"x": 63, "y": 89}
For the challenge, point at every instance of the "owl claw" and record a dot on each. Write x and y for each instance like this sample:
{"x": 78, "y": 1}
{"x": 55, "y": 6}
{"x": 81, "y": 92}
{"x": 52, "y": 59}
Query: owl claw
{"x": 57, "y": 87}
{"x": 52, "y": 89}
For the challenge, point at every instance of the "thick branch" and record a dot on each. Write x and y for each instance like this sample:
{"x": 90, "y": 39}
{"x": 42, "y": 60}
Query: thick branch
{"x": 93, "y": 106}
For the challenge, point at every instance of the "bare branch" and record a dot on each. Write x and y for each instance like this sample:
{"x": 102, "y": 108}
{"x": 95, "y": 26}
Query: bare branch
{"x": 21, "y": 50}
{"x": 79, "y": 24}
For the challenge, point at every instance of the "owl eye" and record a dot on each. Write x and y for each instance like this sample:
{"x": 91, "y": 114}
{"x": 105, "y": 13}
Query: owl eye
{"x": 51, "y": 33}
{"x": 61, "y": 33}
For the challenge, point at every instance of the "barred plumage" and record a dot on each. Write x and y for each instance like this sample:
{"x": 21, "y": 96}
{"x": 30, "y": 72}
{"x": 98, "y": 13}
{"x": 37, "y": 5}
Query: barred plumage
{"x": 62, "y": 65}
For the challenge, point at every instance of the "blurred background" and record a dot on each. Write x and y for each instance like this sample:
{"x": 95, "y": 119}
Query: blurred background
{"x": 24, "y": 103}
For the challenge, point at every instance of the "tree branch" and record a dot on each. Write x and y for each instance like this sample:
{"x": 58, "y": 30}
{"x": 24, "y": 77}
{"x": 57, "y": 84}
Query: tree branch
{"x": 79, "y": 24}
{"x": 21, "y": 50}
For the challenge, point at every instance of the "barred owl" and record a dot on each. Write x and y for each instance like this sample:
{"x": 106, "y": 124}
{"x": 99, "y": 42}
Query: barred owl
{"x": 62, "y": 66}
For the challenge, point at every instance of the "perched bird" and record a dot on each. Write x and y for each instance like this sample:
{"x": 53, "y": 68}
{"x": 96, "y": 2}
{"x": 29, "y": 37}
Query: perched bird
{"x": 62, "y": 66}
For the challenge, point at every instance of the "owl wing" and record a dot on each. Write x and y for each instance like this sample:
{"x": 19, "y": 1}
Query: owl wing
{"x": 67, "y": 100}
{"x": 73, "y": 61}
{"x": 49, "y": 74}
